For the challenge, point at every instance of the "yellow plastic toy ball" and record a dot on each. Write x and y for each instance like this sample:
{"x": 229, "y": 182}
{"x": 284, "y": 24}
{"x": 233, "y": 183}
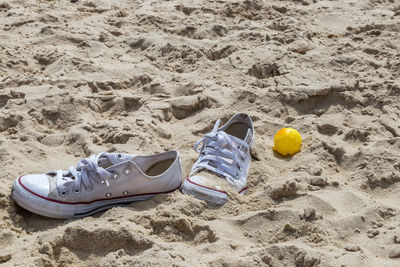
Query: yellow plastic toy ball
{"x": 287, "y": 142}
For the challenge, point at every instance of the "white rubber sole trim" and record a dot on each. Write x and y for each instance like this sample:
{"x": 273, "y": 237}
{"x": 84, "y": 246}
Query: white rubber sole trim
{"x": 56, "y": 210}
{"x": 209, "y": 195}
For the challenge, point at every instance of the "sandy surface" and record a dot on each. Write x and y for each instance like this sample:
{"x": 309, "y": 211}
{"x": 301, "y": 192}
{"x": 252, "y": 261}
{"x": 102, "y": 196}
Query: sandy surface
{"x": 148, "y": 76}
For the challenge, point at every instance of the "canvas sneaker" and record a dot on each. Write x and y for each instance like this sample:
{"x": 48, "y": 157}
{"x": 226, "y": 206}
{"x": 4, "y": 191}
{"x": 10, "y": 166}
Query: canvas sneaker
{"x": 223, "y": 162}
{"x": 97, "y": 183}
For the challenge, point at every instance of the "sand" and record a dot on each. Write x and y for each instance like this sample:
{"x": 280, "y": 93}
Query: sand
{"x": 148, "y": 76}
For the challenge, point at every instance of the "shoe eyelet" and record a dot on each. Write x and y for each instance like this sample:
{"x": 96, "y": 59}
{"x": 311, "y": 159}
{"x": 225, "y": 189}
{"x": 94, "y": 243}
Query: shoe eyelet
{"x": 77, "y": 191}
{"x": 89, "y": 187}
{"x": 63, "y": 193}
{"x": 125, "y": 193}
{"x": 116, "y": 176}
{"x": 102, "y": 182}
{"x": 120, "y": 156}
{"x": 108, "y": 195}
{"x": 126, "y": 171}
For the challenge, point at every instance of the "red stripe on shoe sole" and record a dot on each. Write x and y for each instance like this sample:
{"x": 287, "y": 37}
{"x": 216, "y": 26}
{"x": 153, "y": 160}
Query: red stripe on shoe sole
{"x": 220, "y": 191}
{"x": 243, "y": 189}
{"x": 77, "y": 203}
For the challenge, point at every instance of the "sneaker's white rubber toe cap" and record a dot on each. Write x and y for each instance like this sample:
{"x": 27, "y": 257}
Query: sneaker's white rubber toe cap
{"x": 208, "y": 188}
{"x": 36, "y": 183}
{"x": 31, "y": 192}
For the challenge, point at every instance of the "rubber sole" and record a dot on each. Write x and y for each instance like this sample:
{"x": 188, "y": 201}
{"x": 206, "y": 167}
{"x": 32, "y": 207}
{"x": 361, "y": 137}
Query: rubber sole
{"x": 59, "y": 210}
{"x": 209, "y": 195}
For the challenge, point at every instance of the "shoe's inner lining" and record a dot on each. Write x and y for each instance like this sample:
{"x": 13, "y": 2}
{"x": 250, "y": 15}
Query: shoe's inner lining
{"x": 159, "y": 167}
{"x": 238, "y": 129}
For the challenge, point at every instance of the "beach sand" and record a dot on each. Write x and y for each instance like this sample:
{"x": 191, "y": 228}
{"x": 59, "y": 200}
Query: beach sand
{"x": 147, "y": 76}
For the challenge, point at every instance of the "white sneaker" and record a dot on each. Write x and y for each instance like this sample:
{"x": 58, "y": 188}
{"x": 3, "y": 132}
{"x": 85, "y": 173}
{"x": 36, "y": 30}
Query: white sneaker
{"x": 99, "y": 182}
{"x": 223, "y": 162}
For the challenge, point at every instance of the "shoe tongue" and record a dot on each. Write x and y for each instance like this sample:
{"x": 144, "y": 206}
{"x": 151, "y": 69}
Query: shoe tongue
{"x": 108, "y": 159}
{"x": 247, "y": 139}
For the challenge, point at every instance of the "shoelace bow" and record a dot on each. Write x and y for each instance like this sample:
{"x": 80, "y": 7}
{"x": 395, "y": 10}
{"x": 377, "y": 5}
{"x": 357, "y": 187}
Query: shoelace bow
{"x": 86, "y": 170}
{"x": 221, "y": 154}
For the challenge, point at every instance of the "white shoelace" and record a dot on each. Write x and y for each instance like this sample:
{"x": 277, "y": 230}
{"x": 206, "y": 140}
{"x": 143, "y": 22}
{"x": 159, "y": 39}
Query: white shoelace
{"x": 221, "y": 154}
{"x": 86, "y": 170}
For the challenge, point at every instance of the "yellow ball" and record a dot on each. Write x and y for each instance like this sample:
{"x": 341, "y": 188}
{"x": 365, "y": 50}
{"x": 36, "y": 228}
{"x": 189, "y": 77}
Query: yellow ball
{"x": 287, "y": 142}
